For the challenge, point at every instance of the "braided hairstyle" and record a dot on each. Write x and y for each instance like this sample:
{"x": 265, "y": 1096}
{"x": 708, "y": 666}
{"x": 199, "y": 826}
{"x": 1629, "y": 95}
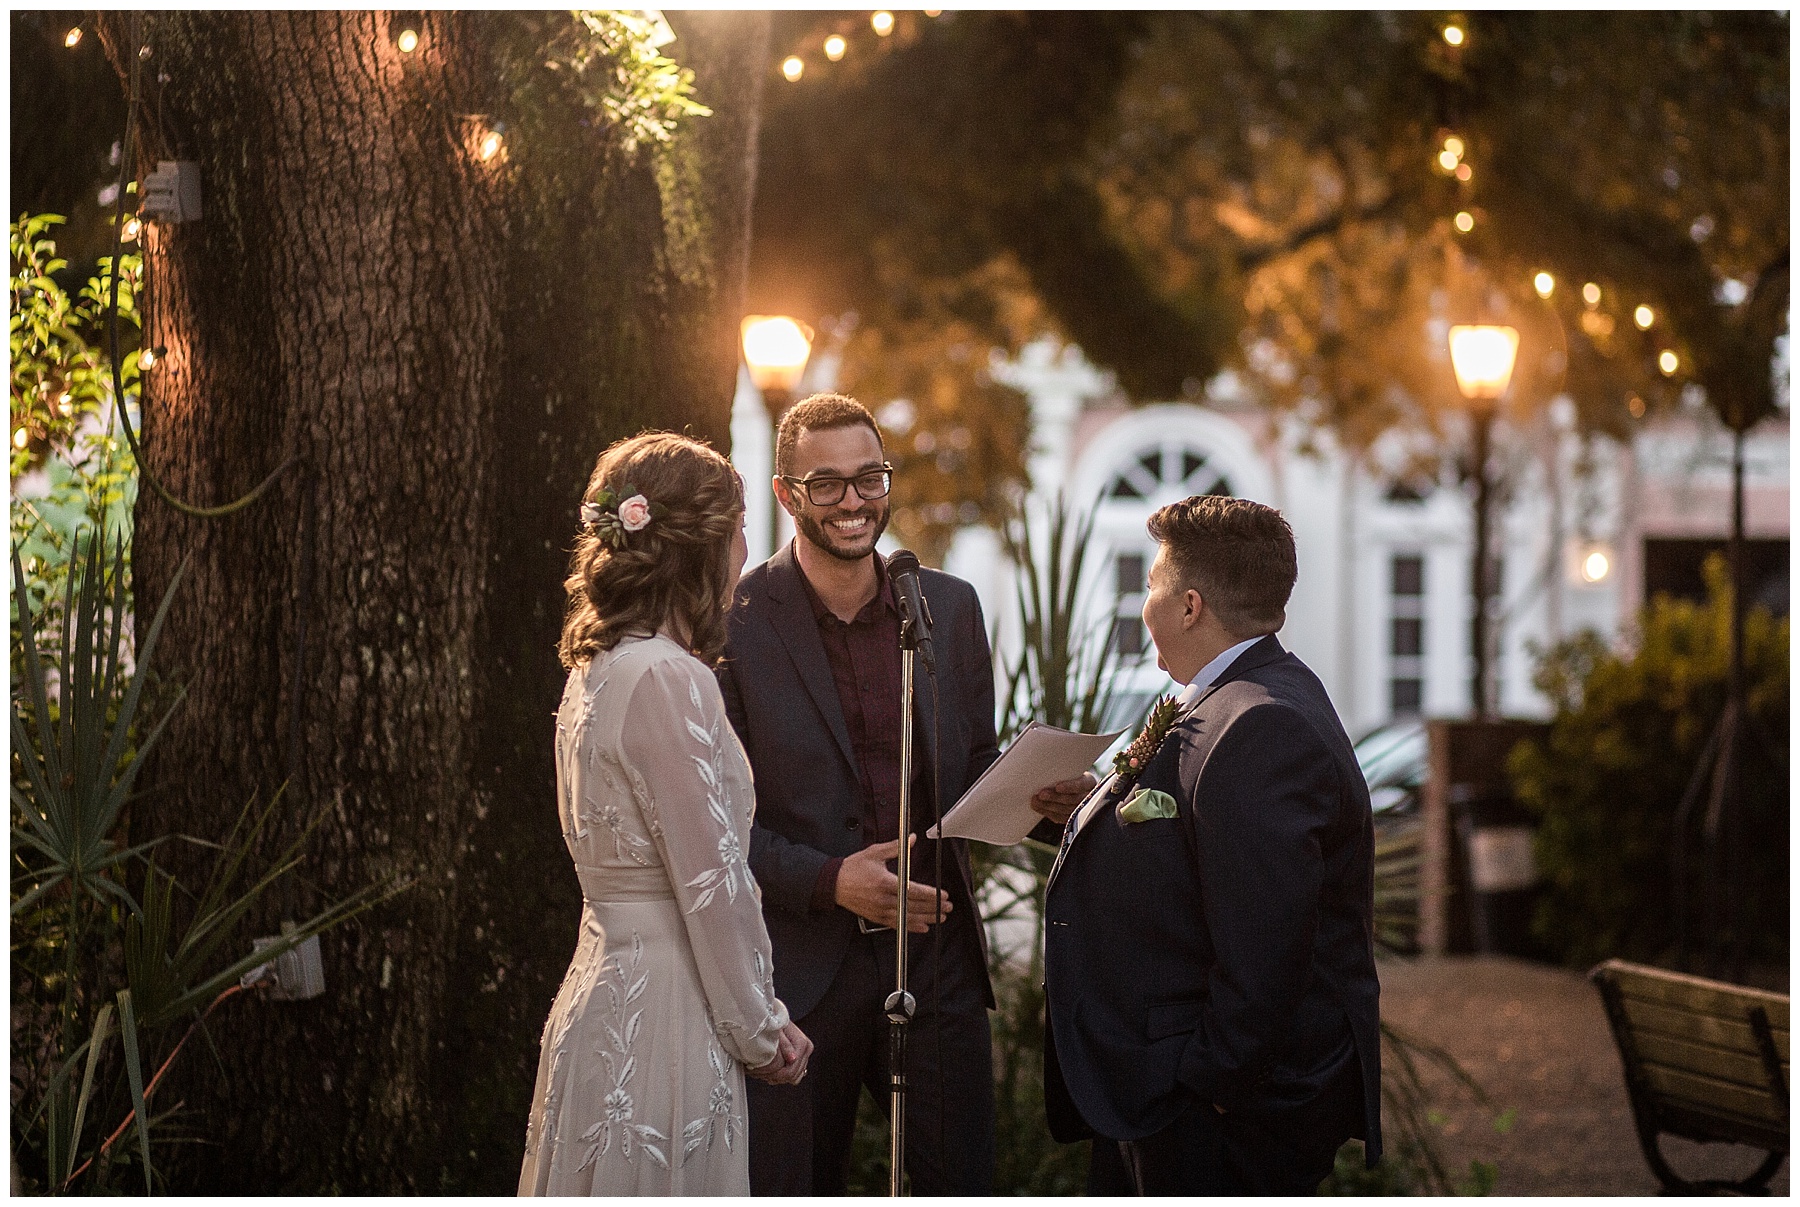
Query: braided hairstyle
{"x": 672, "y": 569}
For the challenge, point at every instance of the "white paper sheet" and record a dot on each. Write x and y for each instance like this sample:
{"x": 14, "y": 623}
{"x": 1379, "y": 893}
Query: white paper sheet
{"x": 997, "y": 807}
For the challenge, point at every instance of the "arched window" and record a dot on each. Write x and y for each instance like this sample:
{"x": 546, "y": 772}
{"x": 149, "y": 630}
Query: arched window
{"x": 1164, "y": 469}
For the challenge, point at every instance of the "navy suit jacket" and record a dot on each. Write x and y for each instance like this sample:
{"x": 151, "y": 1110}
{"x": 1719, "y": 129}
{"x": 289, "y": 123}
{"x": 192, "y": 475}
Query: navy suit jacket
{"x": 783, "y": 702}
{"x": 1227, "y": 953}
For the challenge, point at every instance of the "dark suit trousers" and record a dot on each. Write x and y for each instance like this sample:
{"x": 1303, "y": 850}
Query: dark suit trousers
{"x": 800, "y": 1135}
{"x": 1240, "y": 1153}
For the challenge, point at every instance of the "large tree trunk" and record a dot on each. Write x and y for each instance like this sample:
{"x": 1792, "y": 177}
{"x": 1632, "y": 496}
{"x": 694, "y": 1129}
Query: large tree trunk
{"x": 446, "y": 342}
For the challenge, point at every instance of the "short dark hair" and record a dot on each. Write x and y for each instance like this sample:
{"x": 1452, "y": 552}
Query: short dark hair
{"x": 1239, "y": 555}
{"x": 819, "y": 413}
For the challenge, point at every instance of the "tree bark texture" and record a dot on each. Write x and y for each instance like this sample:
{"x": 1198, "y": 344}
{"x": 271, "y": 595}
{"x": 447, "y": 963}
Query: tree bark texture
{"x": 446, "y": 342}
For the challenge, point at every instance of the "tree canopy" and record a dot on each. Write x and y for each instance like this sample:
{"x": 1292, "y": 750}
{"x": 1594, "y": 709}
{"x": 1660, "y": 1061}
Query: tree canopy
{"x": 1308, "y": 199}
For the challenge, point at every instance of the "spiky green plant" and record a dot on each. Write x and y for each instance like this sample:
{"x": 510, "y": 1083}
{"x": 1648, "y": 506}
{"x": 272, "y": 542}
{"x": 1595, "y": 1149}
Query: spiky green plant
{"x": 1064, "y": 672}
{"x": 86, "y": 947}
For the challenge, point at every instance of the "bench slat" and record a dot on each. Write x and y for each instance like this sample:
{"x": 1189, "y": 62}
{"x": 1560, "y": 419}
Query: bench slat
{"x": 1695, "y": 993}
{"x": 1694, "y": 1091}
{"x": 1778, "y": 1020}
{"x": 1737, "y": 1067}
{"x": 1732, "y": 1034}
{"x": 1696, "y": 1125}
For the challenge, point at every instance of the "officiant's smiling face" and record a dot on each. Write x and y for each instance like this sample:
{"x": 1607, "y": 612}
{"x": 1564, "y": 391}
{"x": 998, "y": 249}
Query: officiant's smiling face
{"x": 849, "y": 528}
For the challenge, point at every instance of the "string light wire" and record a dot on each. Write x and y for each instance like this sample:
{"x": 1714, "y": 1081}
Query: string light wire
{"x": 136, "y": 59}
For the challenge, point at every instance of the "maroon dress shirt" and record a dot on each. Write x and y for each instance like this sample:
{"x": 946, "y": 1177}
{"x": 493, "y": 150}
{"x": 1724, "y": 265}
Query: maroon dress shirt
{"x": 865, "y": 667}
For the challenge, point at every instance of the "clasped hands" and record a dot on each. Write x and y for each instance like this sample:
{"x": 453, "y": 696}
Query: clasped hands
{"x": 792, "y": 1052}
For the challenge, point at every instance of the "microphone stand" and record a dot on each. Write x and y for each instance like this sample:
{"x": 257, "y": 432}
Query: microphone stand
{"x": 900, "y": 1004}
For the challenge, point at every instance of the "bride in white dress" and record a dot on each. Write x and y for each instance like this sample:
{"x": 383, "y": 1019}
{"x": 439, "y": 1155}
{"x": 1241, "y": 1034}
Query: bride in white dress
{"x": 670, "y": 998}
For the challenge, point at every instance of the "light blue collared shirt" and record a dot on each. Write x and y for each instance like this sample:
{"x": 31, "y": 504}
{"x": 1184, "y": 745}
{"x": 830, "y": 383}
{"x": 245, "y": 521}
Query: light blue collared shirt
{"x": 1209, "y": 674}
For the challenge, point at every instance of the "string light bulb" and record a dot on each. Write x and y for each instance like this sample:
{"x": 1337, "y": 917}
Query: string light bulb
{"x": 1590, "y": 293}
{"x": 934, "y": 12}
{"x": 1596, "y": 566}
{"x": 72, "y": 39}
{"x": 1668, "y": 362}
{"x": 1636, "y": 407}
{"x": 131, "y": 229}
{"x": 793, "y": 67}
{"x": 1545, "y": 284}
{"x": 1453, "y": 146}
{"x": 882, "y": 22}
{"x": 21, "y": 437}
{"x": 1463, "y": 172}
{"x": 490, "y": 145}
{"x": 148, "y": 357}
{"x": 1446, "y": 160}
{"x": 408, "y": 41}
{"x": 1465, "y": 221}
{"x": 1453, "y": 34}
{"x": 835, "y": 46}
{"x": 1644, "y": 317}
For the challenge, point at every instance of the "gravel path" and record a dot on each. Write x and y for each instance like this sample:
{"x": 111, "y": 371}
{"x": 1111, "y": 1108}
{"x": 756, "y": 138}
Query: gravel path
{"x": 1535, "y": 1038}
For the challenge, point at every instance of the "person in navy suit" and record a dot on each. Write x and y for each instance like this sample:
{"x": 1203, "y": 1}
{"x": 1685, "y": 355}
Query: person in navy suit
{"x": 1209, "y": 954}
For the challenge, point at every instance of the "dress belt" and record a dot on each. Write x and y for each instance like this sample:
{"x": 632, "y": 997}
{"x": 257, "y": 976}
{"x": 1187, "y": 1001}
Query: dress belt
{"x": 624, "y": 884}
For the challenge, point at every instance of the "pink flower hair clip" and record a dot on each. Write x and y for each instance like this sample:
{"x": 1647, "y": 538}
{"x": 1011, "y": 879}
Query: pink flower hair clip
{"x": 612, "y": 515}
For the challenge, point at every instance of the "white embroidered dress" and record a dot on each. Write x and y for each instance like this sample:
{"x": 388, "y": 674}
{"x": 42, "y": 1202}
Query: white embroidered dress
{"x": 640, "y": 1084}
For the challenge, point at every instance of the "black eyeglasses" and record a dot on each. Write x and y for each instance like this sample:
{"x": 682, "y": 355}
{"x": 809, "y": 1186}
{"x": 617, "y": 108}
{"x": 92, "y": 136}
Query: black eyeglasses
{"x": 828, "y": 491}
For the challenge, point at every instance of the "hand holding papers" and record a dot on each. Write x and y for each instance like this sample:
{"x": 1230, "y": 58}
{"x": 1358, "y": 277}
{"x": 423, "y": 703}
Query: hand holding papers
{"x": 997, "y": 807}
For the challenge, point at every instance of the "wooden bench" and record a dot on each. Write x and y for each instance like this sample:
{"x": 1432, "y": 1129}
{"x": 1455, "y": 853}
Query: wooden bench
{"x": 1704, "y": 1060}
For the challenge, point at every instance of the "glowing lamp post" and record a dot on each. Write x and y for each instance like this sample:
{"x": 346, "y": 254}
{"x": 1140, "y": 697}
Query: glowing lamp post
{"x": 1483, "y": 358}
{"x": 776, "y": 349}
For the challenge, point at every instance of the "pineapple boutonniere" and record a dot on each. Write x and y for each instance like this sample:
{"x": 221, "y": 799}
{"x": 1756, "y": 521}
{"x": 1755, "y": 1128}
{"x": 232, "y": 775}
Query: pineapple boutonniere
{"x": 1130, "y": 762}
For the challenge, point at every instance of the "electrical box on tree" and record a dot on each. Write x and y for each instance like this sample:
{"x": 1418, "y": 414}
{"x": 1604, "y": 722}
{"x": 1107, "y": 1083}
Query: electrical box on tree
{"x": 172, "y": 192}
{"x": 295, "y": 975}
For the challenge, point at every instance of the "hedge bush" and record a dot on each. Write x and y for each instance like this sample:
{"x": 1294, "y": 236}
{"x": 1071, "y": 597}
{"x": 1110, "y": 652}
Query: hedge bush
{"x": 1608, "y": 779}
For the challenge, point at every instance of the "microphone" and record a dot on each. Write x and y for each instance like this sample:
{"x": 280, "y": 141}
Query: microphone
{"x": 915, "y": 617}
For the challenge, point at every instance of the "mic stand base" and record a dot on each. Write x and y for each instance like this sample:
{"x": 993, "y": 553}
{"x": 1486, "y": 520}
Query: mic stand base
{"x": 900, "y": 1007}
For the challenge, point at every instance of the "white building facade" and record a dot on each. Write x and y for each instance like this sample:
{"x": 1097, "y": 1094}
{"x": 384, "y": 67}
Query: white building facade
{"x": 1382, "y": 609}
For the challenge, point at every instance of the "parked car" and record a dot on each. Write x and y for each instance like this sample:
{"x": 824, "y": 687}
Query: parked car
{"x": 1393, "y": 761}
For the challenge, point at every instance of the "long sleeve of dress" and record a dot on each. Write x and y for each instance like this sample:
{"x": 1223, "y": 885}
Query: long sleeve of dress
{"x": 678, "y": 751}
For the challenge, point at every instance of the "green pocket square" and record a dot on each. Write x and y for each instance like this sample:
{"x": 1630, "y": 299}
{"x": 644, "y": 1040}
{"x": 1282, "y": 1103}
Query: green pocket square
{"x": 1146, "y": 804}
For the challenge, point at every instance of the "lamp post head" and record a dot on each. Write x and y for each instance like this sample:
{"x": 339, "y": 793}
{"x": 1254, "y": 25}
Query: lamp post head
{"x": 1483, "y": 357}
{"x": 776, "y": 349}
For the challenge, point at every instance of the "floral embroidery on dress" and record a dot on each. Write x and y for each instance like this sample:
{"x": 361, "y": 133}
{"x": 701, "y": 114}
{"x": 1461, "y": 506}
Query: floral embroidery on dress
{"x": 626, "y": 845}
{"x": 763, "y": 986}
{"x": 618, "y": 1108}
{"x": 543, "y": 1124}
{"x": 640, "y": 1078}
{"x": 720, "y": 1118}
{"x": 733, "y": 870}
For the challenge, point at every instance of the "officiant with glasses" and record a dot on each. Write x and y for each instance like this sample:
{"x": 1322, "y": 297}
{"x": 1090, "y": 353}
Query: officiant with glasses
{"x": 812, "y": 684}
